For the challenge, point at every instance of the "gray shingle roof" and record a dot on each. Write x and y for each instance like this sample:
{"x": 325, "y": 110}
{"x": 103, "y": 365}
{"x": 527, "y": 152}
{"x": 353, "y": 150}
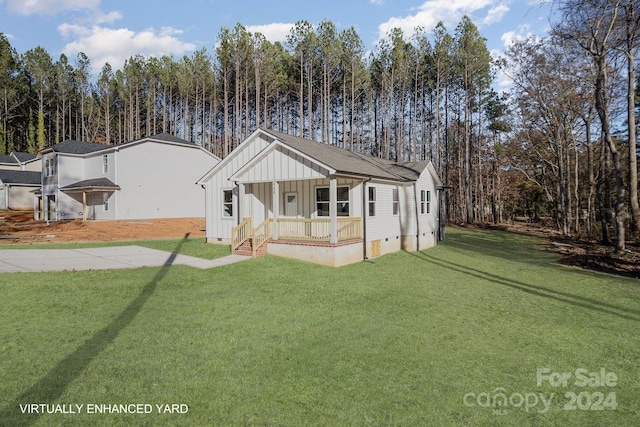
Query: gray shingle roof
{"x": 78, "y": 147}
{"x": 169, "y": 138}
{"x": 351, "y": 162}
{"x": 91, "y": 183}
{"x": 24, "y": 157}
{"x": 7, "y": 159}
{"x": 20, "y": 177}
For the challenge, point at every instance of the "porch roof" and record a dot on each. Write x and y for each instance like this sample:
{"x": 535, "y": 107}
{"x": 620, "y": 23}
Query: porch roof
{"x": 89, "y": 185}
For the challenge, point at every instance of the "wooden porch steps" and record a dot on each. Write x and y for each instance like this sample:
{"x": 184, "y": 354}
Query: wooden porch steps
{"x": 246, "y": 249}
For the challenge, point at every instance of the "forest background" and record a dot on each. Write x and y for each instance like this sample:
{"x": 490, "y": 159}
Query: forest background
{"x": 558, "y": 147}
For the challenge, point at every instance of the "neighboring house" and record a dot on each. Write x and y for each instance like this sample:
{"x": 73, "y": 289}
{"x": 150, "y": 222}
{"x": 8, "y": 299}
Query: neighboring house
{"x": 20, "y": 162}
{"x": 316, "y": 202}
{"x": 17, "y": 187}
{"x": 149, "y": 178}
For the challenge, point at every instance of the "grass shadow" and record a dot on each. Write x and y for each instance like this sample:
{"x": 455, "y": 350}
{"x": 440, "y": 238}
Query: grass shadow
{"x": 53, "y": 385}
{"x": 537, "y": 290}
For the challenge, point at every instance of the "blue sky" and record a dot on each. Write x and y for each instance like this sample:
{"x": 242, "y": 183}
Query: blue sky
{"x": 112, "y": 31}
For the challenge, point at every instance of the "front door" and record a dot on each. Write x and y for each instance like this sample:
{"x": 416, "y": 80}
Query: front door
{"x": 291, "y": 204}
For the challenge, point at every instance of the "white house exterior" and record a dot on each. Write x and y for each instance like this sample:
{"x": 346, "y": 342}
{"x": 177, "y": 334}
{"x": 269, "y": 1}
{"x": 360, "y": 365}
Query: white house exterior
{"x": 319, "y": 203}
{"x": 149, "y": 178}
{"x": 17, "y": 187}
{"x": 20, "y": 162}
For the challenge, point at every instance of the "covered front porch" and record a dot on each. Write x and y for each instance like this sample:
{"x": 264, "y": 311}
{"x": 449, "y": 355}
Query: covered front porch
{"x": 318, "y": 219}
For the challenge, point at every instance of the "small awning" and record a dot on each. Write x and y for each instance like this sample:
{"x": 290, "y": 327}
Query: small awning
{"x": 91, "y": 185}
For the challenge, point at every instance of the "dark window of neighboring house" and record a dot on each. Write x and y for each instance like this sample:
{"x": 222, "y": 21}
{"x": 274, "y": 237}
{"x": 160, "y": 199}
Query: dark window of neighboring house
{"x": 396, "y": 202}
{"x": 372, "y": 201}
{"x": 227, "y": 203}
{"x": 105, "y": 164}
{"x": 423, "y": 201}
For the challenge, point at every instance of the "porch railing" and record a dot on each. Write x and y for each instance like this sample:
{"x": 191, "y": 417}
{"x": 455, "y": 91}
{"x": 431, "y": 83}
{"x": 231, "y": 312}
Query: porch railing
{"x": 301, "y": 229}
{"x": 240, "y": 233}
{"x": 349, "y": 228}
{"x": 261, "y": 234}
{"x": 318, "y": 229}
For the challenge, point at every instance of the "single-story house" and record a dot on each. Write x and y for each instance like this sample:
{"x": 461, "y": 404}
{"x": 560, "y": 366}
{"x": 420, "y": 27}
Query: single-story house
{"x": 148, "y": 178}
{"x": 17, "y": 187}
{"x": 316, "y": 202}
{"x": 20, "y": 162}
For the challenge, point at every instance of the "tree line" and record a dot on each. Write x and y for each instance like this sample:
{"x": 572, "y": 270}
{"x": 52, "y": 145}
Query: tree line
{"x": 550, "y": 147}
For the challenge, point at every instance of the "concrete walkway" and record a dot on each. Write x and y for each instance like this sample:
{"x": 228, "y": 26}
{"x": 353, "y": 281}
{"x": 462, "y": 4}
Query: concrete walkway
{"x": 23, "y": 260}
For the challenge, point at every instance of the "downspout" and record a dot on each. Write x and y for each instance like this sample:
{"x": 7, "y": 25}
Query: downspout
{"x": 415, "y": 196}
{"x": 364, "y": 218}
{"x": 238, "y": 220}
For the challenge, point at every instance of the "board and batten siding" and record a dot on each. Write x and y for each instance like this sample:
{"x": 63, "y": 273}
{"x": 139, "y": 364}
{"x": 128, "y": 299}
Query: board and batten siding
{"x": 218, "y": 226}
{"x": 282, "y": 164}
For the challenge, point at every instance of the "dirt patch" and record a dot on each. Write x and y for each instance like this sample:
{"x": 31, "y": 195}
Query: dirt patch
{"x": 580, "y": 252}
{"x": 19, "y": 227}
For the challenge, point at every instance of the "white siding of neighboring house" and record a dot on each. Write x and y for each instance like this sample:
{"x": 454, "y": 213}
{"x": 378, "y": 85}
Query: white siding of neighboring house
{"x": 33, "y": 166}
{"x": 158, "y": 180}
{"x": 70, "y": 169}
{"x": 93, "y": 169}
{"x": 20, "y": 197}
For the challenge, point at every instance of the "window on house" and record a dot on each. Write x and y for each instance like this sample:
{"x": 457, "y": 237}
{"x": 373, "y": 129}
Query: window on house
{"x": 105, "y": 164}
{"x": 372, "y": 201}
{"x": 105, "y": 202}
{"x": 50, "y": 166}
{"x": 227, "y": 203}
{"x": 396, "y": 202}
{"x": 425, "y": 201}
{"x": 322, "y": 201}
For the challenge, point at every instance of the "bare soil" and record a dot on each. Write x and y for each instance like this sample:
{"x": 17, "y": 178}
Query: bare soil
{"x": 20, "y": 227}
{"x": 583, "y": 252}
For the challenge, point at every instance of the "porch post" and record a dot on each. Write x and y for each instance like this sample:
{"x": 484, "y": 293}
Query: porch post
{"x": 275, "y": 207}
{"x": 84, "y": 205}
{"x": 333, "y": 209}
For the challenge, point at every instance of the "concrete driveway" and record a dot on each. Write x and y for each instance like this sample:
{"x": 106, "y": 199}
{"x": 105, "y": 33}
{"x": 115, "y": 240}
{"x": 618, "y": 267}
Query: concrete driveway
{"x": 24, "y": 260}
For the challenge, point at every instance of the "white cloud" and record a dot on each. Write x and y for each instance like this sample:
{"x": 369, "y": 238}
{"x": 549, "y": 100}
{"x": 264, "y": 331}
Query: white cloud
{"x": 276, "y": 32}
{"x": 49, "y": 7}
{"x": 433, "y": 11}
{"x": 115, "y": 45}
{"x": 521, "y": 33}
{"x": 495, "y": 14}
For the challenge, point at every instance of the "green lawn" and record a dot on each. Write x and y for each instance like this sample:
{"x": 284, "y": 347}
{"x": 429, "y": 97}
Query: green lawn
{"x": 409, "y": 339}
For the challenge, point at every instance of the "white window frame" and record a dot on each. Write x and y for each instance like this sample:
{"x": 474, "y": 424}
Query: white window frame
{"x": 105, "y": 163}
{"x": 372, "y": 201}
{"x": 425, "y": 201}
{"x": 105, "y": 202}
{"x": 338, "y": 201}
{"x": 227, "y": 204}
